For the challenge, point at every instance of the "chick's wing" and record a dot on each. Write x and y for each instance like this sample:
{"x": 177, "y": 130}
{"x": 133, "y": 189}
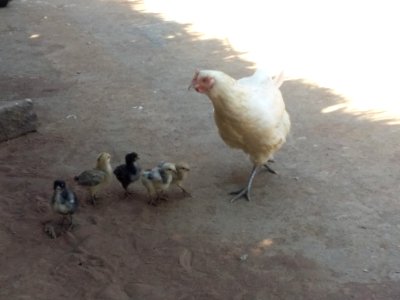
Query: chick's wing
{"x": 91, "y": 177}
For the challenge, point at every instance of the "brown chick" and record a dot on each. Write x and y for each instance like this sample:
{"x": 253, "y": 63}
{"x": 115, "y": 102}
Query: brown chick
{"x": 97, "y": 178}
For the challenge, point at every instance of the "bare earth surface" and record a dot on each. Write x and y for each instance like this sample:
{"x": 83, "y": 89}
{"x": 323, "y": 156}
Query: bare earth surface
{"x": 104, "y": 77}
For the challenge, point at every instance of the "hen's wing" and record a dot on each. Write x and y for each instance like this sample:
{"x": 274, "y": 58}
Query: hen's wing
{"x": 260, "y": 76}
{"x": 263, "y": 96}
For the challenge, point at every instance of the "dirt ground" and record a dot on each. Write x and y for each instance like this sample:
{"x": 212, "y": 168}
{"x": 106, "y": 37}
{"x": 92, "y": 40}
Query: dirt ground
{"x": 104, "y": 77}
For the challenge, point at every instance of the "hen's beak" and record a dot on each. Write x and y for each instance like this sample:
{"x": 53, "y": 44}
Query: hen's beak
{"x": 192, "y": 84}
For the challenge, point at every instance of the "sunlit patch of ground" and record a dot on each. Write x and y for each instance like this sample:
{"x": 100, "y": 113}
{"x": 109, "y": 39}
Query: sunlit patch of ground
{"x": 349, "y": 47}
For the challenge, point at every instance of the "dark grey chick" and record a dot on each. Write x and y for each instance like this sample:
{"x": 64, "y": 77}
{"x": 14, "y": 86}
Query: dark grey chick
{"x": 64, "y": 201}
{"x": 128, "y": 172}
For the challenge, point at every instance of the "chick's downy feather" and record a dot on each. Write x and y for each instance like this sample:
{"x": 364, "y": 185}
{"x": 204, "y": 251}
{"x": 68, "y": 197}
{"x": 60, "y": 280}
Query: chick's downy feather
{"x": 98, "y": 177}
{"x": 63, "y": 201}
{"x": 91, "y": 177}
{"x": 129, "y": 172}
{"x": 182, "y": 172}
{"x": 158, "y": 179}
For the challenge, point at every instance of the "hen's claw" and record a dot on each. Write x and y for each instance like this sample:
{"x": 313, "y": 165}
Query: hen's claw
{"x": 269, "y": 169}
{"x": 244, "y": 192}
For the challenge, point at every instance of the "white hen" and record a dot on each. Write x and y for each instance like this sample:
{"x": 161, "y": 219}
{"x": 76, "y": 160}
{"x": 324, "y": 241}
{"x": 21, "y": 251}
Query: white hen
{"x": 250, "y": 115}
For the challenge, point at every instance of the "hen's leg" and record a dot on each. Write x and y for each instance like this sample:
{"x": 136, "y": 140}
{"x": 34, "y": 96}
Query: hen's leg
{"x": 245, "y": 192}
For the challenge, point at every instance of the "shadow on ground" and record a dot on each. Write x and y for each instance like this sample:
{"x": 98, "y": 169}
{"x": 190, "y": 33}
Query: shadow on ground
{"x": 107, "y": 78}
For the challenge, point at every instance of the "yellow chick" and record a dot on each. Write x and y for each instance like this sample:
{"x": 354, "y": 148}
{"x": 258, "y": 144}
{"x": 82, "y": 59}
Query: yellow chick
{"x": 97, "y": 178}
{"x": 182, "y": 172}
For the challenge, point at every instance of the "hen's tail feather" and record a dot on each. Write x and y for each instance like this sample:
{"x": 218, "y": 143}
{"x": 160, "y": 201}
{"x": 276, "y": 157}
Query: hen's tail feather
{"x": 261, "y": 75}
{"x": 279, "y": 79}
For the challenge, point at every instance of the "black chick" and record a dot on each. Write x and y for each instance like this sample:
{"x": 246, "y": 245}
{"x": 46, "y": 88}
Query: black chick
{"x": 64, "y": 201}
{"x": 128, "y": 172}
{"x": 3, "y": 3}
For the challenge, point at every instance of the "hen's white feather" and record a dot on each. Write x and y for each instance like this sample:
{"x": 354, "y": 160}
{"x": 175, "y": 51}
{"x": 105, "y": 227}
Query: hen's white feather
{"x": 250, "y": 113}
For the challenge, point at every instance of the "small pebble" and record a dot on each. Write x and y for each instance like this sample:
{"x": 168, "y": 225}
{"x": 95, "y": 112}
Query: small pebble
{"x": 244, "y": 257}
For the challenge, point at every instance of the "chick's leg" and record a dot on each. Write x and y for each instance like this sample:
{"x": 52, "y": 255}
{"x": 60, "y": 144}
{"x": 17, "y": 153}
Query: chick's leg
{"x": 72, "y": 223}
{"x": 184, "y": 191}
{"x": 162, "y": 195}
{"x": 153, "y": 200}
{"x": 245, "y": 192}
{"x": 127, "y": 192}
{"x": 153, "y": 197}
{"x": 93, "y": 197}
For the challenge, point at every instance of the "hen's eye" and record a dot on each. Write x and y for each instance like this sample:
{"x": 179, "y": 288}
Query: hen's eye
{"x": 204, "y": 80}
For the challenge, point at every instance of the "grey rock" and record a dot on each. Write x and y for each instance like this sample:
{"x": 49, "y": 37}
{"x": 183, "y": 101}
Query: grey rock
{"x": 16, "y": 118}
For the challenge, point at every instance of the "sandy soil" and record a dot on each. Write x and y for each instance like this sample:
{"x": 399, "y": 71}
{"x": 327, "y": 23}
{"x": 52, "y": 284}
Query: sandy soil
{"x": 104, "y": 77}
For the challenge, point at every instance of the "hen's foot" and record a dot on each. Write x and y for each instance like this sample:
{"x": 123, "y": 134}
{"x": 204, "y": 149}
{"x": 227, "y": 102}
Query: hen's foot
{"x": 244, "y": 192}
{"x": 269, "y": 169}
